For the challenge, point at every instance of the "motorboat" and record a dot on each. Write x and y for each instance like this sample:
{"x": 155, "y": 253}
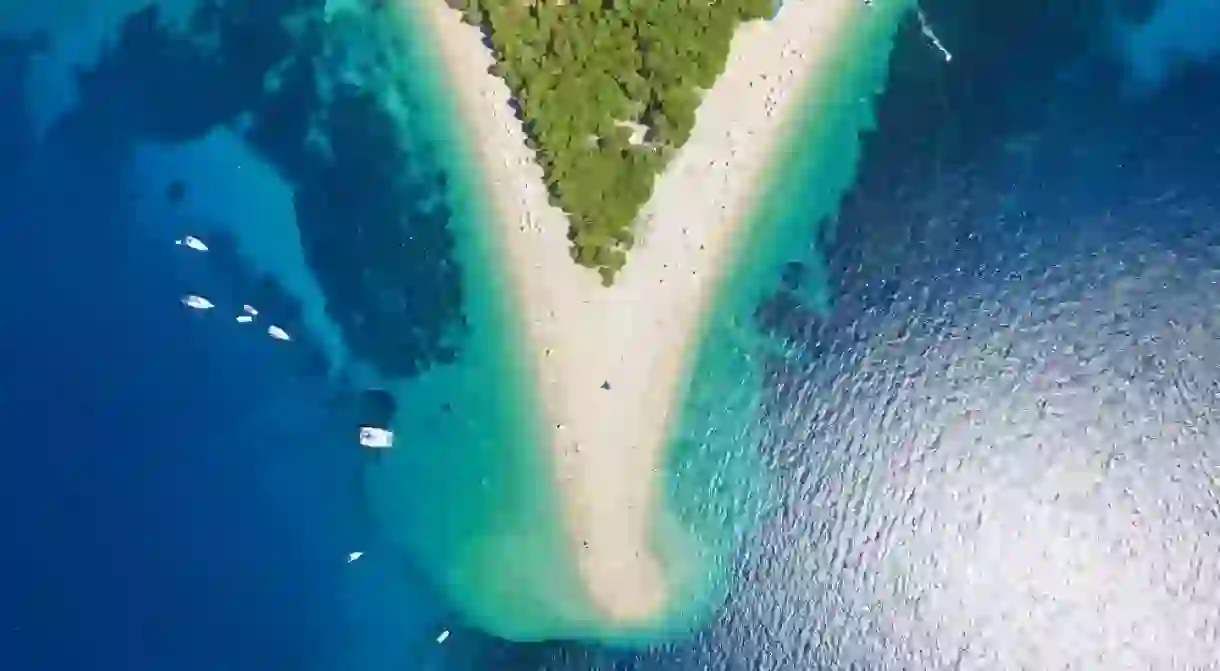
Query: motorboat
{"x": 192, "y": 242}
{"x": 197, "y": 302}
{"x": 375, "y": 416}
{"x": 379, "y": 439}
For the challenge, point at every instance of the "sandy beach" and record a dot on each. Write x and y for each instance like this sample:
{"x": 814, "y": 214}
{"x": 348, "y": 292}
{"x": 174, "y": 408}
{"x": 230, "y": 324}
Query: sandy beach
{"x": 636, "y": 338}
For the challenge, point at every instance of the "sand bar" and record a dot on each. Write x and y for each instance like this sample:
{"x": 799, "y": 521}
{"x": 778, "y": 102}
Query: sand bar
{"x": 637, "y": 336}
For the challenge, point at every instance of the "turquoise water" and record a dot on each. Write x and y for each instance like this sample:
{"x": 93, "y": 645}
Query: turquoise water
{"x": 1018, "y": 233}
{"x": 471, "y": 499}
{"x": 719, "y": 483}
{"x": 464, "y": 498}
{"x": 281, "y": 180}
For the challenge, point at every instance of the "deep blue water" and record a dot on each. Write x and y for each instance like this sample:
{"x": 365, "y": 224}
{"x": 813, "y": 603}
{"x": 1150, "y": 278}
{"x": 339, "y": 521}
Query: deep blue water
{"x": 159, "y": 512}
{"x": 179, "y": 494}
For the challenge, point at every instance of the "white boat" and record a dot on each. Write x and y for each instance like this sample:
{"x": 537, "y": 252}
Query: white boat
{"x": 197, "y": 302}
{"x": 926, "y": 29}
{"x": 353, "y": 556}
{"x": 443, "y": 635}
{"x": 278, "y": 333}
{"x": 376, "y": 438}
{"x": 192, "y": 242}
{"x": 249, "y": 310}
{"x": 244, "y": 319}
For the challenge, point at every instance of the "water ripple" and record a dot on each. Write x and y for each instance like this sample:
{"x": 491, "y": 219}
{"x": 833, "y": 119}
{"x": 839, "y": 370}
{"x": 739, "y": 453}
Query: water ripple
{"x": 1014, "y": 471}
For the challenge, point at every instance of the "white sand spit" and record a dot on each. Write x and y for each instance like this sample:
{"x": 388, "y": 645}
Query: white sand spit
{"x": 639, "y": 335}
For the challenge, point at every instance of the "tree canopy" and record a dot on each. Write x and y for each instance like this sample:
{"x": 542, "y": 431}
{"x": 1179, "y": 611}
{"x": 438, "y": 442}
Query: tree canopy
{"x": 581, "y": 70}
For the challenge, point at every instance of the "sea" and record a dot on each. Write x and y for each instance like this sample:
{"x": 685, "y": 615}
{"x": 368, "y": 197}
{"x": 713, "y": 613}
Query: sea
{"x": 990, "y": 384}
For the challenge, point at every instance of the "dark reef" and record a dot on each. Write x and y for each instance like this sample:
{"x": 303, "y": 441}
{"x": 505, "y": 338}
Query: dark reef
{"x": 987, "y": 188}
{"x": 371, "y": 208}
{"x": 998, "y": 190}
{"x": 923, "y": 186}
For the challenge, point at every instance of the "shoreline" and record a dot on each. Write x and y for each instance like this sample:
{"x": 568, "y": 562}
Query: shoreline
{"x": 639, "y": 336}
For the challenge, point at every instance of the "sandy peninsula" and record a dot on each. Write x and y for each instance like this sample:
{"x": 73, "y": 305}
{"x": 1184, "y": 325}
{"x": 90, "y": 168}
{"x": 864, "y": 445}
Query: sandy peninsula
{"x": 611, "y": 365}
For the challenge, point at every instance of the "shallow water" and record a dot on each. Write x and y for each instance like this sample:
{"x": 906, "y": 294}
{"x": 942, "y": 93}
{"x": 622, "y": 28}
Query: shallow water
{"x": 991, "y": 424}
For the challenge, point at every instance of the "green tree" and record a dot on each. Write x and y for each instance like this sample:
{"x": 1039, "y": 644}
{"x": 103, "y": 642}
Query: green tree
{"x": 579, "y": 68}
